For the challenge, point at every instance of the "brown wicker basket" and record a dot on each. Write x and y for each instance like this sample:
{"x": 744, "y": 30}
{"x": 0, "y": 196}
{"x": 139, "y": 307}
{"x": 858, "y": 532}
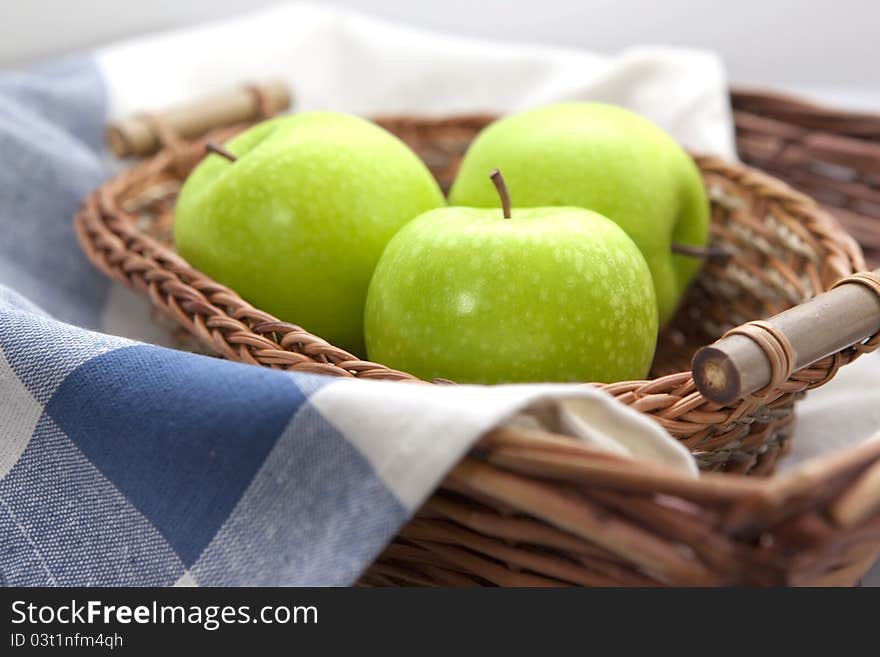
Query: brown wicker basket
{"x": 529, "y": 508}
{"x": 831, "y": 155}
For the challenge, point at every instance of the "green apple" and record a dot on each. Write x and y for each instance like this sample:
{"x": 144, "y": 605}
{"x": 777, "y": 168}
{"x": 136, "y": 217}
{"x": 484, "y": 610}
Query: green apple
{"x": 606, "y": 159}
{"x": 297, "y": 215}
{"x": 537, "y": 294}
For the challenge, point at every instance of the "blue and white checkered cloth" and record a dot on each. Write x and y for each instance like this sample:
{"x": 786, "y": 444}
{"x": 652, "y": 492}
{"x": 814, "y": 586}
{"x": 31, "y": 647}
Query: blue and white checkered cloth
{"x": 125, "y": 463}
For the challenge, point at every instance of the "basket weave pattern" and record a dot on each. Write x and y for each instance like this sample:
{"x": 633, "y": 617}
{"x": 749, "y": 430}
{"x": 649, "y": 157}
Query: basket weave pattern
{"x": 833, "y": 156}
{"x": 530, "y": 508}
{"x": 533, "y": 510}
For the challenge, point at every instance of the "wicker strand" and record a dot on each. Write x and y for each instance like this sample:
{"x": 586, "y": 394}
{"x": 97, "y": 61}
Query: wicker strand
{"x": 871, "y": 281}
{"x": 867, "y": 278}
{"x": 169, "y": 142}
{"x": 264, "y": 104}
{"x": 777, "y": 348}
{"x": 164, "y": 135}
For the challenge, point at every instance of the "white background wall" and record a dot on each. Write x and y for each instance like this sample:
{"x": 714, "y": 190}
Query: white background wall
{"x": 808, "y": 44}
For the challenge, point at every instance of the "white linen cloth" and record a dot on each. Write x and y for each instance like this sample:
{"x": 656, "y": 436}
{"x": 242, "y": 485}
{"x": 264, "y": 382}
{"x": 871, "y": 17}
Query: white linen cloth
{"x": 339, "y": 60}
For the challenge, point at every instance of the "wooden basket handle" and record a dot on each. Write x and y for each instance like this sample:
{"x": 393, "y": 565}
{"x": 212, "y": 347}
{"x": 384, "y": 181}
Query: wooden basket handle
{"x": 760, "y": 356}
{"x": 144, "y": 134}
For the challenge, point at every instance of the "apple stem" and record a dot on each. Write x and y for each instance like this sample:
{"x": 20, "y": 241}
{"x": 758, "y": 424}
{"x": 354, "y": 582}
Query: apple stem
{"x": 211, "y": 147}
{"x": 699, "y": 251}
{"x": 501, "y": 186}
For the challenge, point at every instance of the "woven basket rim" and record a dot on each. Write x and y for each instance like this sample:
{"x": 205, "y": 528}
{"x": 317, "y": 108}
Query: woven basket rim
{"x": 806, "y": 112}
